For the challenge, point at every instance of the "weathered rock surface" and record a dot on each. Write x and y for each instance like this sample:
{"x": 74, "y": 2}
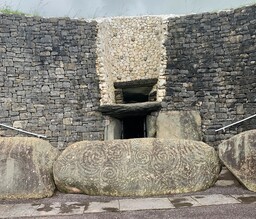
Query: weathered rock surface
{"x": 26, "y": 168}
{"x": 131, "y": 109}
{"x": 239, "y": 156}
{"x": 179, "y": 125}
{"x": 136, "y": 167}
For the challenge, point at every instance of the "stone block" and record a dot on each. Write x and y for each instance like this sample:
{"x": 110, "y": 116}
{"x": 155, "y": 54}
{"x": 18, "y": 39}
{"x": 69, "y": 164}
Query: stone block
{"x": 151, "y": 126}
{"x": 67, "y": 121}
{"x": 113, "y": 129}
{"x": 20, "y": 124}
{"x": 136, "y": 167}
{"x": 239, "y": 155}
{"x": 179, "y": 125}
{"x": 26, "y": 168}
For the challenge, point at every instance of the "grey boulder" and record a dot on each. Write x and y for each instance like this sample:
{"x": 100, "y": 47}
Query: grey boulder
{"x": 136, "y": 167}
{"x": 26, "y": 168}
{"x": 179, "y": 125}
{"x": 239, "y": 156}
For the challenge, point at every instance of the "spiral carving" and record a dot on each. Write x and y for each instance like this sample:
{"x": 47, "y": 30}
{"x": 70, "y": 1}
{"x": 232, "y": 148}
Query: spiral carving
{"x": 109, "y": 173}
{"x": 161, "y": 154}
{"x": 142, "y": 157}
{"x": 92, "y": 160}
{"x": 138, "y": 167}
{"x": 117, "y": 151}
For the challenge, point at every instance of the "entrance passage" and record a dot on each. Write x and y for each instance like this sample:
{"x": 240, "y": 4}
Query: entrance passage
{"x": 134, "y": 127}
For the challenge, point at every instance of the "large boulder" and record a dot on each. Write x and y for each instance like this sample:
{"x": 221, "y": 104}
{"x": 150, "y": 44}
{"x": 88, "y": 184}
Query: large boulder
{"x": 239, "y": 156}
{"x": 26, "y": 168}
{"x": 136, "y": 167}
{"x": 179, "y": 125}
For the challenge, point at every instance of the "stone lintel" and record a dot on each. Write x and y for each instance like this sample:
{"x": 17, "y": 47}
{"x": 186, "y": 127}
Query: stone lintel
{"x": 136, "y": 83}
{"x": 132, "y": 109}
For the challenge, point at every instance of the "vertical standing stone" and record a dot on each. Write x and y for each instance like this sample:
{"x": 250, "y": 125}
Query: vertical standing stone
{"x": 179, "y": 125}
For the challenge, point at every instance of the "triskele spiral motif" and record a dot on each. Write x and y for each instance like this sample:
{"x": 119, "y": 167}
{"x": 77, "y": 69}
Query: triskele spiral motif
{"x": 92, "y": 159}
{"x": 109, "y": 173}
{"x": 116, "y": 151}
{"x": 136, "y": 167}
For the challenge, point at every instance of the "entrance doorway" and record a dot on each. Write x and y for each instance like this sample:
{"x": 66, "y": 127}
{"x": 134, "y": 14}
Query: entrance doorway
{"x": 134, "y": 127}
{"x": 131, "y": 113}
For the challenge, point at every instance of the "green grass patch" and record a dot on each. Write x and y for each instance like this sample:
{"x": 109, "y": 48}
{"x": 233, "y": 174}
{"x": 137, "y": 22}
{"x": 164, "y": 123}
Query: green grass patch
{"x": 8, "y": 10}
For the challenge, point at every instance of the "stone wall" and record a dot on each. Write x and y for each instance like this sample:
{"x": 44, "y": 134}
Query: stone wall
{"x": 48, "y": 82}
{"x": 56, "y": 72}
{"x": 211, "y": 67}
{"x": 129, "y": 48}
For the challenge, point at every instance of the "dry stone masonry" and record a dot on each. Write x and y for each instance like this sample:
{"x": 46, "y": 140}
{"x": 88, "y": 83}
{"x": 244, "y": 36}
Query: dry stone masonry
{"x": 130, "y": 49}
{"x": 211, "y": 68}
{"x": 48, "y": 78}
{"x": 57, "y": 72}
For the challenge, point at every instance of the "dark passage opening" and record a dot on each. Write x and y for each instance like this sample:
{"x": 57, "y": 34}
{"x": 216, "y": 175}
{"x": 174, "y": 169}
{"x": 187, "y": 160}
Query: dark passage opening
{"x": 136, "y": 95}
{"x": 136, "y": 91}
{"x": 134, "y": 127}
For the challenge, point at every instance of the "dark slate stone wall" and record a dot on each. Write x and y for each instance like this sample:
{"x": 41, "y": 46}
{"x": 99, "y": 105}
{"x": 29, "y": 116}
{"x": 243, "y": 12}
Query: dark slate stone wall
{"x": 48, "y": 81}
{"x": 211, "y": 67}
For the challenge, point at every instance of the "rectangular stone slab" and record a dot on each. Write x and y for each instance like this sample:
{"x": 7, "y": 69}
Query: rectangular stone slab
{"x": 179, "y": 125}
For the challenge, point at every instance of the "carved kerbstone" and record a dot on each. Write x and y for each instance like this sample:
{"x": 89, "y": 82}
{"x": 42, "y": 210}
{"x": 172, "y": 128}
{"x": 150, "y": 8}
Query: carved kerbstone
{"x": 239, "y": 156}
{"x": 136, "y": 167}
{"x": 26, "y": 168}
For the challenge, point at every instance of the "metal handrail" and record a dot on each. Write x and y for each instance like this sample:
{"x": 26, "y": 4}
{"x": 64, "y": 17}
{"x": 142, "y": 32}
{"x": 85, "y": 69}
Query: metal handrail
{"x": 23, "y": 131}
{"x": 242, "y": 120}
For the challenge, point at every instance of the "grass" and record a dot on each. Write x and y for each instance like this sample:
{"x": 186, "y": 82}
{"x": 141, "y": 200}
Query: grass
{"x": 7, "y": 10}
